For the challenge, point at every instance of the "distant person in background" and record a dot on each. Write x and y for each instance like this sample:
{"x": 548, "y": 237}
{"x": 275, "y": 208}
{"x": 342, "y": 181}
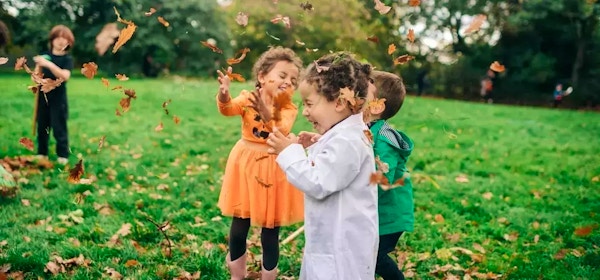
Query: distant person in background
{"x": 559, "y": 93}
{"x": 149, "y": 68}
{"x": 487, "y": 85}
{"x": 421, "y": 81}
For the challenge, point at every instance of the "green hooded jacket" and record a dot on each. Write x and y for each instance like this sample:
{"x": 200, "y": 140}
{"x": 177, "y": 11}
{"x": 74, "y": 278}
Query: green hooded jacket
{"x": 396, "y": 206}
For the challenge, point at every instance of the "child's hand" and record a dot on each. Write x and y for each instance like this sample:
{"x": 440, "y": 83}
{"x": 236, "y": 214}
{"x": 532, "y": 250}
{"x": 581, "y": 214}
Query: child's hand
{"x": 259, "y": 105}
{"x": 224, "y": 82}
{"x": 279, "y": 142}
{"x": 306, "y": 139}
{"x": 41, "y": 61}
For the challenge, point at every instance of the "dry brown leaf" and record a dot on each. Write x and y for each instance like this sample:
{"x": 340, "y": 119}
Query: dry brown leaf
{"x": 3, "y": 60}
{"x": 176, "y": 119}
{"x": 121, "y": 77}
{"x": 27, "y": 143}
{"x": 497, "y": 67}
{"x": 414, "y": 3}
{"x": 348, "y": 95}
{"x": 119, "y": 19}
{"x": 112, "y": 273}
{"x": 242, "y": 53}
{"x": 411, "y": 35}
{"x": 211, "y": 46}
{"x": 106, "y": 37}
{"x": 151, "y": 12}
{"x": 373, "y": 39}
{"x": 159, "y": 127}
{"x": 439, "y": 218}
{"x": 475, "y": 24}
{"x": 391, "y": 48}
{"x": 124, "y": 36}
{"x": 105, "y": 82}
{"x": 241, "y": 18}
{"x": 49, "y": 84}
{"x": 124, "y": 103}
{"x": 76, "y": 172}
{"x": 584, "y": 231}
{"x": 89, "y": 70}
{"x": 163, "y": 21}
{"x": 285, "y": 20}
{"x": 403, "y": 59}
{"x": 131, "y": 263}
{"x": 20, "y": 63}
{"x": 382, "y": 8}
{"x": 130, "y": 93}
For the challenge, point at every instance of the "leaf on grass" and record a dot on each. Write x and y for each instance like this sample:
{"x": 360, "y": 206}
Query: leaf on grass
{"x": 3, "y": 60}
{"x": 241, "y": 18}
{"x": 27, "y": 143}
{"x": 497, "y": 67}
{"x": 513, "y": 236}
{"x": 176, "y": 119}
{"x": 461, "y": 178}
{"x": 487, "y": 195}
{"x": 151, "y": 12}
{"x": 163, "y": 21}
{"x": 373, "y": 39}
{"x": 382, "y": 8}
{"x": 584, "y": 231}
{"x": 101, "y": 142}
{"x": 403, "y": 59}
{"x": 105, "y": 82}
{"x": 89, "y": 70}
{"x": 122, "y": 232}
{"x": 121, "y": 77}
{"x": 285, "y": 20}
{"x": 159, "y": 127}
{"x": 391, "y": 48}
{"x": 124, "y": 36}
{"x": 112, "y": 273}
{"x": 411, "y": 35}
{"x": 131, "y": 263}
{"x": 242, "y": 53}
{"x": 76, "y": 172}
{"x": 211, "y": 46}
{"x": 475, "y": 24}
{"x": 439, "y": 218}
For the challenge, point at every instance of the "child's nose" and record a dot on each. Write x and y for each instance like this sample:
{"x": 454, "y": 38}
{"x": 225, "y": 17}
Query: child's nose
{"x": 305, "y": 112}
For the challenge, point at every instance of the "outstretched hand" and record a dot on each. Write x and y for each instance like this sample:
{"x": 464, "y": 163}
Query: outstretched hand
{"x": 306, "y": 139}
{"x": 41, "y": 61}
{"x": 259, "y": 105}
{"x": 224, "y": 82}
{"x": 279, "y": 142}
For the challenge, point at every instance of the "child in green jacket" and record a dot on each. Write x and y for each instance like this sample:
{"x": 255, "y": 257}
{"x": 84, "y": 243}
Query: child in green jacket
{"x": 392, "y": 147}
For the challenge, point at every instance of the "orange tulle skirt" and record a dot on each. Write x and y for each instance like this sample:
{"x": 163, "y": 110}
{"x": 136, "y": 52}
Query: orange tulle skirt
{"x": 255, "y": 187}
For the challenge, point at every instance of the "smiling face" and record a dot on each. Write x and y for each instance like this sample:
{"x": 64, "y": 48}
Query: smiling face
{"x": 283, "y": 75}
{"x": 322, "y": 114}
{"x": 59, "y": 44}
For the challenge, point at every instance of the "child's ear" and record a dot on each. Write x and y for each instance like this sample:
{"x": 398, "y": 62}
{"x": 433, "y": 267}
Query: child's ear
{"x": 340, "y": 105}
{"x": 261, "y": 78}
{"x": 376, "y": 110}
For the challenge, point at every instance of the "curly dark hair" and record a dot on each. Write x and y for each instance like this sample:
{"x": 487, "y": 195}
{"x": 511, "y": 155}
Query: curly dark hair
{"x": 390, "y": 87}
{"x": 335, "y": 71}
{"x": 268, "y": 59}
{"x": 4, "y": 37}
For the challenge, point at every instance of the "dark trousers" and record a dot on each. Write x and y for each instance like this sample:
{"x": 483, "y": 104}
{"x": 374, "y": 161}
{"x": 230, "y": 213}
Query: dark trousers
{"x": 386, "y": 267}
{"x": 52, "y": 116}
{"x": 269, "y": 239}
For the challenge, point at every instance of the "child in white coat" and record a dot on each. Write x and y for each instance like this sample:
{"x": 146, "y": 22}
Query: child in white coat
{"x": 340, "y": 213}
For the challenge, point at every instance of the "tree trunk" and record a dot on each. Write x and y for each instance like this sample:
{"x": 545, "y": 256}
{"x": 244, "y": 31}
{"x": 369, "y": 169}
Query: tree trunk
{"x": 579, "y": 56}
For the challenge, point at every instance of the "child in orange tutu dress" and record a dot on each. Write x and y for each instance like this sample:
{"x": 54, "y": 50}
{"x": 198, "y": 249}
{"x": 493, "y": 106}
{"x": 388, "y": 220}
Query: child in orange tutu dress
{"x": 255, "y": 190}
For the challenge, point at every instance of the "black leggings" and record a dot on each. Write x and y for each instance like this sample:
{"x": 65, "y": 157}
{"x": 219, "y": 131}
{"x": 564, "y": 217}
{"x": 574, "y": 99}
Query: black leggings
{"x": 269, "y": 238}
{"x": 386, "y": 267}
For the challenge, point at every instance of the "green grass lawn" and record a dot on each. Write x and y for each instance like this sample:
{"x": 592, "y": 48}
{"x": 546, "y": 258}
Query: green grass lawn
{"x": 499, "y": 190}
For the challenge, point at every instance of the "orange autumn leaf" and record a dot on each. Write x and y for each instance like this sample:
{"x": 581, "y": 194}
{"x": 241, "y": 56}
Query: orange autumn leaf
{"x": 89, "y": 70}
{"x": 121, "y": 77}
{"x": 159, "y": 127}
{"x": 242, "y": 53}
{"x": 373, "y": 39}
{"x": 382, "y": 8}
{"x": 403, "y": 59}
{"x": 497, "y": 67}
{"x": 584, "y": 231}
{"x": 117, "y": 87}
{"x": 33, "y": 89}
{"x": 378, "y": 178}
{"x": 280, "y": 101}
{"x": 348, "y": 95}
{"x": 20, "y": 63}
{"x": 130, "y": 93}
{"x": 369, "y": 135}
{"x": 391, "y": 48}
{"x": 241, "y": 18}
{"x": 411, "y": 35}
{"x": 105, "y": 82}
{"x": 27, "y": 143}
{"x": 211, "y": 46}
{"x": 376, "y": 105}
{"x": 125, "y": 102}
{"x": 151, "y": 12}
{"x": 76, "y": 172}
{"x": 119, "y": 19}
{"x": 50, "y": 84}
{"x": 117, "y": 112}
{"x": 163, "y": 21}
{"x": 414, "y": 3}
{"x": 124, "y": 36}
{"x": 285, "y": 20}
{"x": 234, "y": 76}
{"x": 176, "y": 119}
{"x": 475, "y": 24}
{"x": 3, "y": 60}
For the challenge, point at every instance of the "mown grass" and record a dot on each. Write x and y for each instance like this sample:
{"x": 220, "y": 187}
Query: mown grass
{"x": 533, "y": 178}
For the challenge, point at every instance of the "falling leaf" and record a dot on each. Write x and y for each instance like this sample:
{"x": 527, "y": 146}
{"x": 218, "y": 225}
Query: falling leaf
{"x": 536, "y": 238}
{"x": 376, "y": 105}
{"x": 234, "y": 76}
{"x": 403, "y": 59}
{"x": 411, "y": 35}
{"x": 461, "y": 178}
{"x": 348, "y": 95}
{"x": 285, "y": 20}
{"x": 76, "y": 172}
{"x": 105, "y": 82}
{"x": 149, "y": 13}
{"x": 300, "y": 43}
{"x": 3, "y": 60}
{"x": 382, "y": 8}
{"x": 391, "y": 48}
{"x": 121, "y": 77}
{"x": 211, "y": 46}
{"x": 117, "y": 87}
{"x": 130, "y": 93}
{"x": 497, "y": 67}
{"x": 27, "y": 143}
{"x": 242, "y": 53}
{"x": 49, "y": 84}
{"x": 124, "y": 36}
{"x": 106, "y": 37}
{"x": 163, "y": 21}
{"x": 414, "y": 3}
{"x": 117, "y": 112}
{"x": 159, "y": 127}
{"x": 19, "y": 64}
{"x": 584, "y": 231}
{"x": 311, "y": 50}
{"x": 475, "y": 24}
{"x": 373, "y": 39}
{"x": 320, "y": 68}
{"x": 306, "y": 6}
{"x": 176, "y": 119}
{"x": 34, "y": 89}
{"x": 124, "y": 103}
{"x": 241, "y": 18}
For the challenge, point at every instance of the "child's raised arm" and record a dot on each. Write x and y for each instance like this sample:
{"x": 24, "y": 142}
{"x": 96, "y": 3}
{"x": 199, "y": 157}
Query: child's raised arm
{"x": 58, "y": 72}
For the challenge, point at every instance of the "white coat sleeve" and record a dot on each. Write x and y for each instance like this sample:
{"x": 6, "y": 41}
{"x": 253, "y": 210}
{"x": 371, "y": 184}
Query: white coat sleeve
{"x": 332, "y": 170}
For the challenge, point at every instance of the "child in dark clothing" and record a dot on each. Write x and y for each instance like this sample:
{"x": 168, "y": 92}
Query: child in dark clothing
{"x": 52, "y": 107}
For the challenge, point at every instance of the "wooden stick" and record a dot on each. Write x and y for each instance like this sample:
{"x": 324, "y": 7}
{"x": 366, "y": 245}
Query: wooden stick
{"x": 35, "y": 110}
{"x": 293, "y": 235}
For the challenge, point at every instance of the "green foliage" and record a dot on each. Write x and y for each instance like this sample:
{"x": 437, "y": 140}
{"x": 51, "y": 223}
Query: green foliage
{"x": 532, "y": 173}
